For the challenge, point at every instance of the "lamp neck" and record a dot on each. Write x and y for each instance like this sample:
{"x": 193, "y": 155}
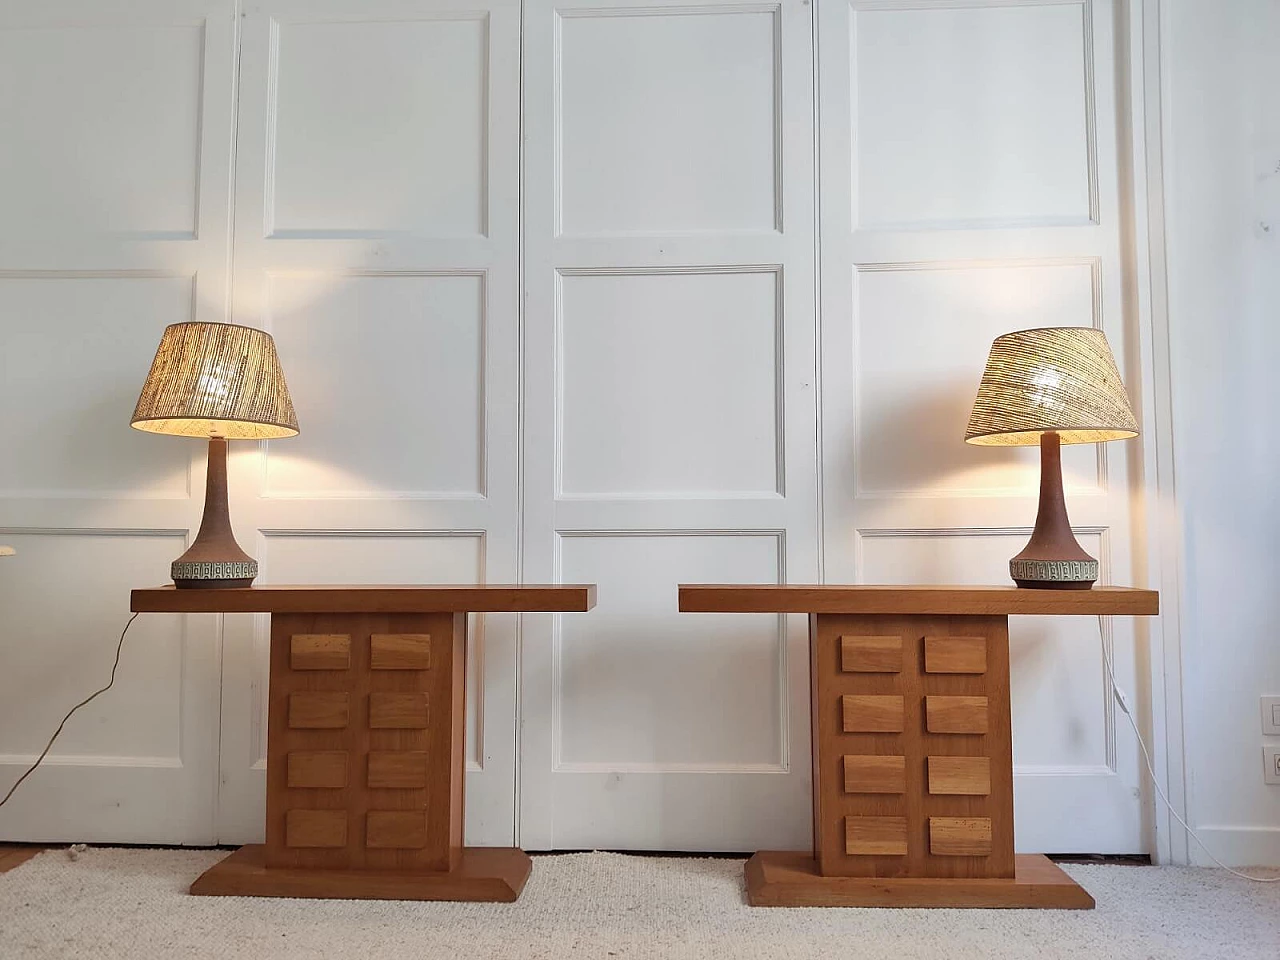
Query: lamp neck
{"x": 1052, "y": 536}
{"x": 215, "y": 524}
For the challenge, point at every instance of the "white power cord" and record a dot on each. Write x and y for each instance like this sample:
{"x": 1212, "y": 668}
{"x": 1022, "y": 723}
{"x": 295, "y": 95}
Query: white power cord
{"x": 1155, "y": 781}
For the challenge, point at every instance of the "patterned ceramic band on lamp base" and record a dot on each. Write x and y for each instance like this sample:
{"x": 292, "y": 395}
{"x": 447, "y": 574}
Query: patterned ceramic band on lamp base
{"x": 221, "y": 381}
{"x": 1051, "y": 386}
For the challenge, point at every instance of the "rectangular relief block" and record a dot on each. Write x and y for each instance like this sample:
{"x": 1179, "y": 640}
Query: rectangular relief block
{"x": 317, "y": 768}
{"x": 319, "y": 651}
{"x": 955, "y": 654}
{"x": 875, "y": 774}
{"x": 315, "y": 828}
{"x": 875, "y": 836}
{"x": 396, "y": 829}
{"x": 870, "y": 654}
{"x": 955, "y": 714}
{"x": 400, "y": 651}
{"x": 398, "y": 711}
{"x": 405, "y": 770}
{"x": 319, "y": 710}
{"x": 960, "y": 836}
{"x": 872, "y": 714}
{"x": 960, "y": 776}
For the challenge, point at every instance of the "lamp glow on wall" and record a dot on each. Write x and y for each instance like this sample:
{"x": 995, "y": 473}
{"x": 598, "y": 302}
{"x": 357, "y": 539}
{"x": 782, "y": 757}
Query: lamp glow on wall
{"x": 1051, "y": 386}
{"x": 223, "y": 382}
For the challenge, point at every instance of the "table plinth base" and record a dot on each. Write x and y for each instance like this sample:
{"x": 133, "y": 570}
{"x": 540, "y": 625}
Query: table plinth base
{"x": 791, "y": 879}
{"x": 486, "y": 874}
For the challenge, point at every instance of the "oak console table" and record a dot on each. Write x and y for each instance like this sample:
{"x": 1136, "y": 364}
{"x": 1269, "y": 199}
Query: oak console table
{"x": 365, "y": 740}
{"x": 912, "y": 749}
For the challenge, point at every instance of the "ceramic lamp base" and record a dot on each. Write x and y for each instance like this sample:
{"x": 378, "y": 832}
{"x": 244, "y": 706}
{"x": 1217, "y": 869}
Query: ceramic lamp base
{"x": 214, "y": 560}
{"x": 1054, "y": 574}
{"x": 1053, "y": 559}
{"x": 206, "y": 574}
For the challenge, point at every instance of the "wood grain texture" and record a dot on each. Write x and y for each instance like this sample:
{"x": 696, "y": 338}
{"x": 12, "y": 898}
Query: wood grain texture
{"x": 872, "y": 714}
{"x": 400, "y": 651}
{"x": 875, "y": 836}
{"x": 15, "y": 855}
{"x": 315, "y": 828}
{"x": 319, "y": 651}
{"x": 396, "y": 829}
{"x": 437, "y": 781}
{"x": 942, "y": 601}
{"x": 487, "y": 598}
{"x": 956, "y": 714}
{"x": 875, "y": 774}
{"x": 870, "y": 654}
{"x": 831, "y": 744}
{"x": 791, "y": 879}
{"x": 397, "y": 711}
{"x": 959, "y": 836}
{"x": 319, "y": 710}
{"x": 317, "y": 769}
{"x": 404, "y": 770}
{"x": 963, "y": 776}
{"x": 955, "y": 654}
{"x": 482, "y": 874}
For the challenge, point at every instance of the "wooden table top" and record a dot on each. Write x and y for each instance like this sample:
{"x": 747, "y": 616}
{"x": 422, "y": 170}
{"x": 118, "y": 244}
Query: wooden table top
{"x": 833, "y": 598}
{"x": 486, "y": 598}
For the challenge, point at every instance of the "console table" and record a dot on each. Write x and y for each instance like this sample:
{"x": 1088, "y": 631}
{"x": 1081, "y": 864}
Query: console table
{"x": 365, "y": 740}
{"x": 912, "y": 750}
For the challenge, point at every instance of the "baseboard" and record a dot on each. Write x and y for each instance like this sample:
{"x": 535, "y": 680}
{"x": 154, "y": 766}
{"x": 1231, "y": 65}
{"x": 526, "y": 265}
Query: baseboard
{"x": 1238, "y": 846}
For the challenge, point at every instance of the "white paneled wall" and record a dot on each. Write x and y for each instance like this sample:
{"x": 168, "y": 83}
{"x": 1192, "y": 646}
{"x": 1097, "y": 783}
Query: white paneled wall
{"x": 670, "y": 418}
{"x": 114, "y": 221}
{"x": 580, "y": 290}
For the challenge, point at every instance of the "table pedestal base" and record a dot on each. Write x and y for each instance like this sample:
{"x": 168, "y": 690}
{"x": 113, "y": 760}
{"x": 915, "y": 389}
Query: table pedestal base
{"x": 791, "y": 879}
{"x": 487, "y": 874}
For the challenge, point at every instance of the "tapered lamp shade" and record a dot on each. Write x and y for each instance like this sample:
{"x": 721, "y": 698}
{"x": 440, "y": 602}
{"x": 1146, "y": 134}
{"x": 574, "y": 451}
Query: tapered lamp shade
{"x": 1051, "y": 386}
{"x": 216, "y": 380}
{"x": 1059, "y": 379}
{"x": 222, "y": 382}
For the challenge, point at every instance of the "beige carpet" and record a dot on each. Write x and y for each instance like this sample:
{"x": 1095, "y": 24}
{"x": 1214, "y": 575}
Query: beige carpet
{"x": 132, "y": 903}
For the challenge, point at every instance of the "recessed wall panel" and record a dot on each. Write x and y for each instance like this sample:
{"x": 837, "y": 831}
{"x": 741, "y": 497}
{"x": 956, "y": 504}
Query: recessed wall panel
{"x": 1058, "y": 691}
{"x": 58, "y": 651}
{"x": 640, "y": 684}
{"x": 974, "y": 115}
{"x": 923, "y": 336}
{"x": 387, "y": 375}
{"x": 75, "y": 353}
{"x": 379, "y": 129}
{"x": 669, "y": 384}
{"x": 667, "y": 121}
{"x": 115, "y": 156}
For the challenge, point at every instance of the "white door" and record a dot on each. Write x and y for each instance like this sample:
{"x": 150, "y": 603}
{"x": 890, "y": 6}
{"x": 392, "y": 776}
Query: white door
{"x": 969, "y": 188}
{"x": 114, "y": 222}
{"x": 669, "y": 420}
{"x": 377, "y": 187}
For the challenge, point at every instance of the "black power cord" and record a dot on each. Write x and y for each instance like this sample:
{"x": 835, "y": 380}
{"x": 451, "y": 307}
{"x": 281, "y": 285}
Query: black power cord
{"x": 89, "y": 699}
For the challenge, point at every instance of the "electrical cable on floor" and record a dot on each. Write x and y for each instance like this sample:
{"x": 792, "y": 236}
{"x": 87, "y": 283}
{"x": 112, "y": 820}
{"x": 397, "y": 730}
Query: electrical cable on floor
{"x": 1151, "y": 770}
{"x": 89, "y": 699}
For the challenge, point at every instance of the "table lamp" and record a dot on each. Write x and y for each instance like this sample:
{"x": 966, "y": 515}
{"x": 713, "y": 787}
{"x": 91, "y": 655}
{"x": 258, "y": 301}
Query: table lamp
{"x": 1051, "y": 386}
{"x": 221, "y": 381}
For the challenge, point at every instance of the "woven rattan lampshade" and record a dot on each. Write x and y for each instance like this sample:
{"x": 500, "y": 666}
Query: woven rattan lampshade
{"x": 216, "y": 380}
{"x": 1054, "y": 379}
